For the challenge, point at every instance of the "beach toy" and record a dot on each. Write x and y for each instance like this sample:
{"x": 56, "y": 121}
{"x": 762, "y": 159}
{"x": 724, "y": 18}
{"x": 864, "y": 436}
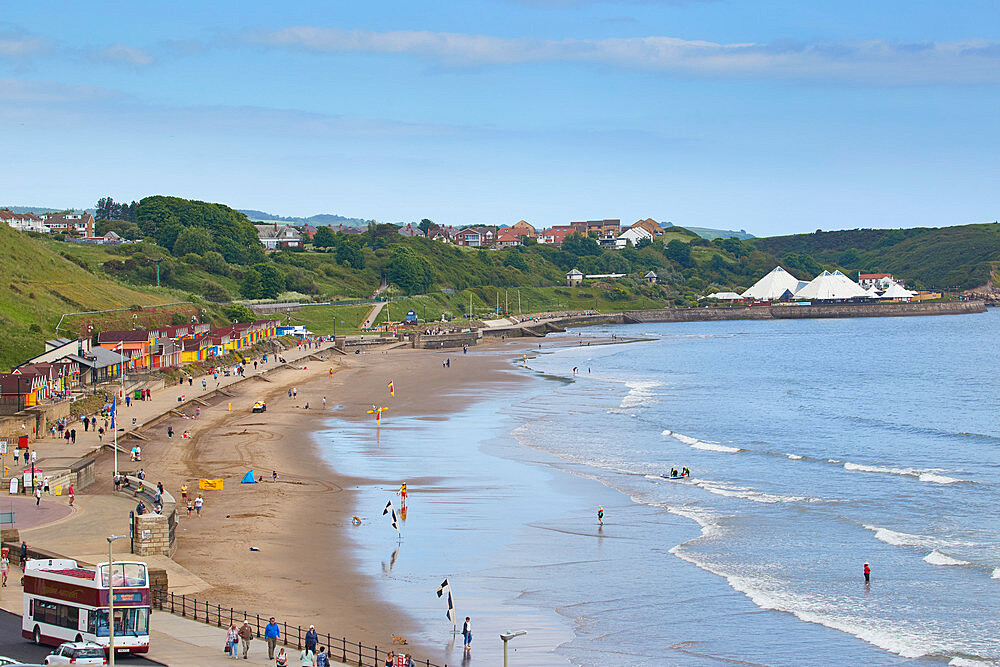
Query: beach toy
{"x": 254, "y": 549}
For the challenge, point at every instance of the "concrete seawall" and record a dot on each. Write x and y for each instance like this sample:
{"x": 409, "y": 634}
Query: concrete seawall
{"x": 806, "y": 312}
{"x": 541, "y": 327}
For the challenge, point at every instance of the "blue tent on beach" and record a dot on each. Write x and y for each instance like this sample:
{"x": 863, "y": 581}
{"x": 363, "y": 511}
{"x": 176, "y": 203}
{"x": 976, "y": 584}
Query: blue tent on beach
{"x": 249, "y": 478}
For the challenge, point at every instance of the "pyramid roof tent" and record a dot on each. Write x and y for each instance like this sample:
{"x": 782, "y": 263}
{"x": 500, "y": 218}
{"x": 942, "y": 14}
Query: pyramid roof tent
{"x": 773, "y": 285}
{"x": 897, "y": 291}
{"x": 873, "y": 293}
{"x": 723, "y": 296}
{"x": 831, "y": 287}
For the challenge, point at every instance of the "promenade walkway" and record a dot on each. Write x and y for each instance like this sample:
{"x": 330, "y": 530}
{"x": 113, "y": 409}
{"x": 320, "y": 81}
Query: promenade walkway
{"x": 55, "y": 454}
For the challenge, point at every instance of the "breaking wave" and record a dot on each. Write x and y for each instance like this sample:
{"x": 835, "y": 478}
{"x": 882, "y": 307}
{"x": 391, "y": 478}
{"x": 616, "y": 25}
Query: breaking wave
{"x": 937, "y": 558}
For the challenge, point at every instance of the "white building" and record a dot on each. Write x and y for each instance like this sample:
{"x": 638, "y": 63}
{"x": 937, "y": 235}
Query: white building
{"x": 633, "y": 234}
{"x": 276, "y": 236}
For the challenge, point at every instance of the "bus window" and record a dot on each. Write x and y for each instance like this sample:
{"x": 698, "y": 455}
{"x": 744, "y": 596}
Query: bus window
{"x": 135, "y": 574}
{"x": 128, "y": 621}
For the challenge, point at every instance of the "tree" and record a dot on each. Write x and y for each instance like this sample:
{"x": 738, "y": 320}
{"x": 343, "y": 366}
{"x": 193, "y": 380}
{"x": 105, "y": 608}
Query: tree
{"x": 178, "y": 318}
{"x": 250, "y": 285}
{"x": 192, "y": 239}
{"x": 580, "y": 245}
{"x": 215, "y": 263}
{"x": 271, "y": 281}
{"x": 410, "y": 272}
{"x": 679, "y": 252}
{"x": 350, "y": 254}
{"x": 644, "y": 242}
{"x": 239, "y": 313}
{"x": 324, "y": 238}
{"x": 425, "y": 226}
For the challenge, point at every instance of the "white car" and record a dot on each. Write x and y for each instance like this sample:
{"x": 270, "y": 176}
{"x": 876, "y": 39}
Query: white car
{"x": 77, "y": 653}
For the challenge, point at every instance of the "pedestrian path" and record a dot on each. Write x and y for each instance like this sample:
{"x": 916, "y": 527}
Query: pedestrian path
{"x": 57, "y": 454}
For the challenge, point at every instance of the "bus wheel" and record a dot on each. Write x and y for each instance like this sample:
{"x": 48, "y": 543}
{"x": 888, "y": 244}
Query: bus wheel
{"x": 37, "y": 635}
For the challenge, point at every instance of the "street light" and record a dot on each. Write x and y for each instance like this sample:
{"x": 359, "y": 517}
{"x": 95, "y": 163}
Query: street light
{"x": 111, "y": 601}
{"x": 506, "y": 637}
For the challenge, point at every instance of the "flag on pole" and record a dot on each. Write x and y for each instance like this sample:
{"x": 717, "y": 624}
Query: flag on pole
{"x": 390, "y": 509}
{"x": 114, "y": 411}
{"x": 445, "y": 587}
{"x": 392, "y": 392}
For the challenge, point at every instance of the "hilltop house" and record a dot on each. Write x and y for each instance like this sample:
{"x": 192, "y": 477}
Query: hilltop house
{"x": 605, "y": 229}
{"x": 555, "y": 235}
{"x": 650, "y": 225}
{"x": 512, "y": 236}
{"x": 80, "y": 223}
{"x": 23, "y": 222}
{"x": 275, "y": 236}
{"x": 476, "y": 236}
{"x": 633, "y": 234}
{"x": 521, "y": 224}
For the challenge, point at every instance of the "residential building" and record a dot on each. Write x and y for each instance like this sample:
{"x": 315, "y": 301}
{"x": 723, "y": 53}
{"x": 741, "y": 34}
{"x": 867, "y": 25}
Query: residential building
{"x": 512, "y": 236}
{"x": 23, "y": 222}
{"x": 275, "y": 236}
{"x": 880, "y": 281}
{"x": 604, "y": 228}
{"x": 308, "y": 231}
{"x": 476, "y": 236}
{"x": 521, "y": 224}
{"x": 633, "y": 235}
{"x": 574, "y": 278}
{"x": 555, "y": 235}
{"x": 80, "y": 223}
{"x": 410, "y": 230}
{"x": 650, "y": 225}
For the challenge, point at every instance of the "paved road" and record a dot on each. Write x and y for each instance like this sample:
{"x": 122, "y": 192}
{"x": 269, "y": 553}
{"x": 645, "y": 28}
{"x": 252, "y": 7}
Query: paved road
{"x": 13, "y": 646}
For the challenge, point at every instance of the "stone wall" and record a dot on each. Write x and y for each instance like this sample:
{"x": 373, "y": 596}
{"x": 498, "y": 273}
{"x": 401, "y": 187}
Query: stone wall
{"x": 154, "y": 533}
{"x": 443, "y": 341}
{"x": 805, "y": 312}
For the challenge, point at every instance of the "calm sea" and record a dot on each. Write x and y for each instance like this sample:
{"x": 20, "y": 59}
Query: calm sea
{"x": 815, "y": 446}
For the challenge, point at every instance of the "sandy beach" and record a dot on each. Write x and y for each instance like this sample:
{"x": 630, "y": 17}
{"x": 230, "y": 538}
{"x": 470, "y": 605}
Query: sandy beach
{"x": 304, "y": 571}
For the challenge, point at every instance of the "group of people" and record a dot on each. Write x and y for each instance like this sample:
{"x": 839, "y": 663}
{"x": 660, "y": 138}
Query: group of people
{"x": 685, "y": 472}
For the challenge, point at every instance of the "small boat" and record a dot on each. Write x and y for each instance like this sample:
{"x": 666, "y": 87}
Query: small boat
{"x": 675, "y": 478}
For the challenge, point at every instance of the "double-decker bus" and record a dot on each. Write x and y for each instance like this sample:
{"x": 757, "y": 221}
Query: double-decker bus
{"x": 64, "y": 602}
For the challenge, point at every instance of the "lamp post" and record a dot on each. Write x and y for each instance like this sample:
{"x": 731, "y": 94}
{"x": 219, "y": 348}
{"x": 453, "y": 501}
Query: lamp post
{"x": 111, "y": 602}
{"x": 506, "y": 637}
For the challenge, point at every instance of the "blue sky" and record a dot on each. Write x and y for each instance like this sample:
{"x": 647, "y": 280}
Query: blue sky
{"x": 772, "y": 116}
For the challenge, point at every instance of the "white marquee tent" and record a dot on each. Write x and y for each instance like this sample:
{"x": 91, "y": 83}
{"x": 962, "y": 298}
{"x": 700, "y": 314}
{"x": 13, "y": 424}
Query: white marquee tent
{"x": 897, "y": 291}
{"x": 723, "y": 296}
{"x": 773, "y": 285}
{"x": 831, "y": 287}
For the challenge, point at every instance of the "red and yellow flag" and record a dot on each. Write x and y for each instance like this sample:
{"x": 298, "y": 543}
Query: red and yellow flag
{"x": 392, "y": 392}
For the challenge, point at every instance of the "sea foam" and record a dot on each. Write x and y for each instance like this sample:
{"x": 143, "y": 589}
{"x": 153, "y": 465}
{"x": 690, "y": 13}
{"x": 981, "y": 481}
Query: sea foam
{"x": 640, "y": 393}
{"x": 996, "y": 574}
{"x": 922, "y": 475}
{"x": 695, "y": 443}
{"x": 937, "y": 558}
{"x": 900, "y": 539}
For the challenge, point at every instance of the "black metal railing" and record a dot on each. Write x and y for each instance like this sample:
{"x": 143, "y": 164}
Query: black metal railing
{"x": 292, "y": 636}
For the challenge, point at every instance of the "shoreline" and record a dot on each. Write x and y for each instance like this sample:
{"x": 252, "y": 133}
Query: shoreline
{"x": 305, "y": 571}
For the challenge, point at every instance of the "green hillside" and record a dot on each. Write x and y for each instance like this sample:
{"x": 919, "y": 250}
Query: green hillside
{"x": 40, "y": 285}
{"x": 961, "y": 257}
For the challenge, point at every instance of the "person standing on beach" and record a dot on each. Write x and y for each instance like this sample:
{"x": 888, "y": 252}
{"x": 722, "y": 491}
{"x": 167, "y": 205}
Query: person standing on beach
{"x": 184, "y": 492}
{"x": 868, "y": 573}
{"x": 198, "y": 502}
{"x": 467, "y": 633}
{"x": 272, "y": 633}
{"x": 600, "y": 514}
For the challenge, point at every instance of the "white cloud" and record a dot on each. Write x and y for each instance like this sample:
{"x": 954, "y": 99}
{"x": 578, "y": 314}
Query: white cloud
{"x": 15, "y": 44}
{"x": 121, "y": 54}
{"x": 882, "y": 61}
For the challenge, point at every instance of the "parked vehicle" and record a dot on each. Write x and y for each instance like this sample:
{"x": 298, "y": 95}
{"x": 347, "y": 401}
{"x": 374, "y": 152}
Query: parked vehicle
{"x": 77, "y": 653}
{"x": 259, "y": 406}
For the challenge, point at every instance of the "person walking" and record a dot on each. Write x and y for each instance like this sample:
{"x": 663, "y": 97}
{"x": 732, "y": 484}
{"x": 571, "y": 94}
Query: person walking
{"x": 281, "y": 660}
{"x": 467, "y": 633}
{"x": 24, "y": 553}
{"x": 600, "y": 514}
{"x": 38, "y": 496}
{"x": 322, "y": 658}
{"x": 233, "y": 641}
{"x": 272, "y": 633}
{"x": 198, "y": 503}
{"x": 72, "y": 495}
{"x": 311, "y": 639}
{"x": 868, "y": 573}
{"x": 307, "y": 658}
{"x": 4, "y": 569}
{"x": 72, "y": 435}
{"x": 246, "y": 635}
